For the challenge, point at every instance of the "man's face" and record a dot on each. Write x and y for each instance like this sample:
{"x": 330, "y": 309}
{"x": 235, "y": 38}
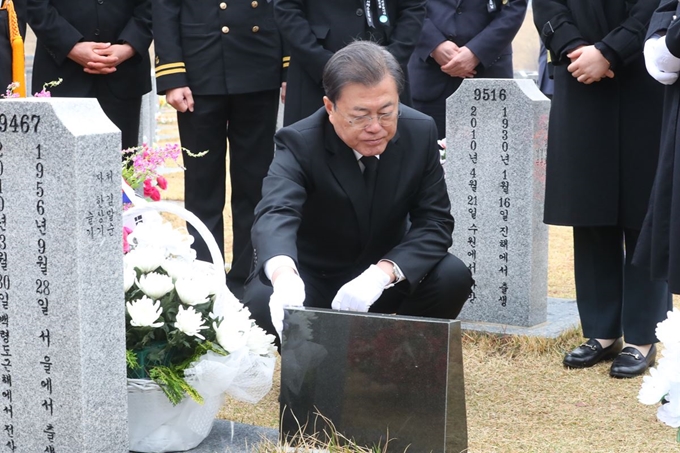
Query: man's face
{"x": 365, "y": 118}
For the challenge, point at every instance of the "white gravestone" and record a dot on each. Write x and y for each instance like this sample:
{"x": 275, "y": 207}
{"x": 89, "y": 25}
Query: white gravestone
{"x": 62, "y": 318}
{"x": 495, "y": 173}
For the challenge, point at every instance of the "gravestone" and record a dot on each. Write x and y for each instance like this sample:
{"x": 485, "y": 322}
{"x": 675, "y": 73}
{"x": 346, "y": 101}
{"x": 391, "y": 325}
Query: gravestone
{"x": 374, "y": 379}
{"x": 147, "y": 115}
{"x": 62, "y": 318}
{"x": 495, "y": 173}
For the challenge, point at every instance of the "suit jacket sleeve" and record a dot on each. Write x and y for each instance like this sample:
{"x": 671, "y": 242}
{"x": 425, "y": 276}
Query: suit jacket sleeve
{"x": 429, "y": 237}
{"x": 137, "y": 31}
{"x": 407, "y": 29}
{"x": 556, "y": 28}
{"x": 302, "y": 39}
{"x": 498, "y": 35}
{"x": 279, "y": 213}
{"x": 627, "y": 40}
{"x": 53, "y": 31}
{"x": 170, "y": 69}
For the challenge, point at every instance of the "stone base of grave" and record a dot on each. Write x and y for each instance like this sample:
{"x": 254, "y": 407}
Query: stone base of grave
{"x": 232, "y": 437}
{"x": 562, "y": 315}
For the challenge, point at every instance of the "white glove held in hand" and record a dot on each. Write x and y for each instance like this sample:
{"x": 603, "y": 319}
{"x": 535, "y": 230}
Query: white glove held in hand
{"x": 654, "y": 51}
{"x": 664, "y": 60}
{"x": 289, "y": 290}
{"x": 360, "y": 293}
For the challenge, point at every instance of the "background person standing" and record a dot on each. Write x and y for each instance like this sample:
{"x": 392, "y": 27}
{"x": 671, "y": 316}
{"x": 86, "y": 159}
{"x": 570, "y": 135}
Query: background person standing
{"x": 603, "y": 144}
{"x": 220, "y": 65}
{"x": 316, "y": 29}
{"x": 100, "y": 49}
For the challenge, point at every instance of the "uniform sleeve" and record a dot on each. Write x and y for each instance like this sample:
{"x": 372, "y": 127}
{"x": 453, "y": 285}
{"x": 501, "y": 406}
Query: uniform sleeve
{"x": 299, "y": 36}
{"x": 170, "y": 69}
{"x": 430, "y": 39}
{"x": 498, "y": 35}
{"x": 407, "y": 29}
{"x": 627, "y": 40}
{"x": 556, "y": 28}
{"x": 137, "y": 31}
{"x": 54, "y": 32}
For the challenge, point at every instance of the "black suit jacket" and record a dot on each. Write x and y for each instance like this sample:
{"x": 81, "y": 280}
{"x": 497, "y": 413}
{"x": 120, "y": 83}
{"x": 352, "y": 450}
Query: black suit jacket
{"x": 316, "y": 29}
{"x": 467, "y": 23}
{"x": 217, "y": 47}
{"x": 60, "y": 24}
{"x": 314, "y": 207}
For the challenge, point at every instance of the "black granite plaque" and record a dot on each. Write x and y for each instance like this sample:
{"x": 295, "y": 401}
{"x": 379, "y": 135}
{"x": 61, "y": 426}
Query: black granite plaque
{"x": 375, "y": 378}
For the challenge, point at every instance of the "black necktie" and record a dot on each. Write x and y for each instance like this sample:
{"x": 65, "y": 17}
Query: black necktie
{"x": 370, "y": 172}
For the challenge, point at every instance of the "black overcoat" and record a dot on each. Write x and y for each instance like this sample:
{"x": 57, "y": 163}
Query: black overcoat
{"x": 316, "y": 29}
{"x": 60, "y": 24}
{"x": 604, "y": 137}
{"x": 659, "y": 243}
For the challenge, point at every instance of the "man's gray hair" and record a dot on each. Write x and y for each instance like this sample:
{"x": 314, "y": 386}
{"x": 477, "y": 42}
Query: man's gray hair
{"x": 362, "y": 62}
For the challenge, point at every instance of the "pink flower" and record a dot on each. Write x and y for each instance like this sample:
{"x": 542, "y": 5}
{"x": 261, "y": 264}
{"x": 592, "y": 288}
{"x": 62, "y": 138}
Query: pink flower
{"x": 162, "y": 182}
{"x": 151, "y": 191}
{"x": 126, "y": 246}
{"x": 43, "y": 94}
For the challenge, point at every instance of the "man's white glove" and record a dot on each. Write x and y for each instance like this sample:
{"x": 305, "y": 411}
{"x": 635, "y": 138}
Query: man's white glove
{"x": 360, "y": 293}
{"x": 289, "y": 291}
{"x": 655, "y": 51}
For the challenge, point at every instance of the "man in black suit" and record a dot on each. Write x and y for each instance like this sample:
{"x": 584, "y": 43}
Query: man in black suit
{"x": 461, "y": 39}
{"x": 99, "y": 49}
{"x": 331, "y": 229}
{"x": 221, "y": 67}
{"x": 315, "y": 29}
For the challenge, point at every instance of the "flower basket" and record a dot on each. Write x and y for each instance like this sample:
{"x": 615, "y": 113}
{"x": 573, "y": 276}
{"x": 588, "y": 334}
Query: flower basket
{"x": 155, "y": 424}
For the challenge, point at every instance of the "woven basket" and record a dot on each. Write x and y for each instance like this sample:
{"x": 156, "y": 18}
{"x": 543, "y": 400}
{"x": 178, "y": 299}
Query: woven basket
{"x": 155, "y": 425}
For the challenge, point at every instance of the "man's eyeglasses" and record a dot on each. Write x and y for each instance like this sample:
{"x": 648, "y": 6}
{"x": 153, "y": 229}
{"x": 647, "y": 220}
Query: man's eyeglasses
{"x": 362, "y": 122}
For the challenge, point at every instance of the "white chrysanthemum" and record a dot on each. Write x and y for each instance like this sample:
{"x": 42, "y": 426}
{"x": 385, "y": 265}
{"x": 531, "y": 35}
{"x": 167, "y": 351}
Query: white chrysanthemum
{"x": 231, "y": 336}
{"x": 129, "y": 277}
{"x": 668, "y": 331}
{"x": 192, "y": 292}
{"x": 669, "y": 413}
{"x": 177, "y": 268}
{"x": 190, "y": 322}
{"x": 654, "y": 387}
{"x": 162, "y": 235}
{"x": 145, "y": 259}
{"x": 260, "y": 342}
{"x": 155, "y": 285}
{"x": 144, "y": 312}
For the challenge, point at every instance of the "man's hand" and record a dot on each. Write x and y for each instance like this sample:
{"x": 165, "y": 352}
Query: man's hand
{"x": 360, "y": 293}
{"x": 120, "y": 52}
{"x": 444, "y": 52}
{"x": 84, "y": 53}
{"x": 588, "y": 65}
{"x": 180, "y": 98}
{"x": 462, "y": 64}
{"x": 289, "y": 290}
{"x": 283, "y": 92}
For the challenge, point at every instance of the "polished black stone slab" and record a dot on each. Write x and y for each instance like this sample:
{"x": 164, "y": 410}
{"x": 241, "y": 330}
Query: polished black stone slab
{"x": 374, "y": 377}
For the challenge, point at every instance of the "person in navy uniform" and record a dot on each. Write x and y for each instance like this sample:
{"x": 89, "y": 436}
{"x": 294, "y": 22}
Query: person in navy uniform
{"x": 461, "y": 39}
{"x": 100, "y": 49}
{"x": 220, "y": 64}
{"x": 316, "y": 29}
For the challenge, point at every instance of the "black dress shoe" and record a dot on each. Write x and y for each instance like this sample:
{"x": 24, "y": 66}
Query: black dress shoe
{"x": 590, "y": 353}
{"x": 631, "y": 363}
